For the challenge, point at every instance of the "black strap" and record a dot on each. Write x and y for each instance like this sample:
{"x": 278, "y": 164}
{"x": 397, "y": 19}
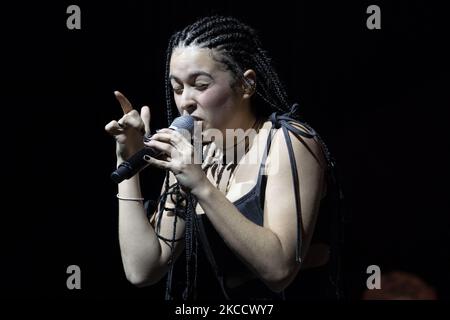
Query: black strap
{"x": 283, "y": 122}
{"x": 262, "y": 177}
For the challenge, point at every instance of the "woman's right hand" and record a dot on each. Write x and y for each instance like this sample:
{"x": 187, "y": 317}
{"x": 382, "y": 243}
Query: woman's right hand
{"x": 129, "y": 130}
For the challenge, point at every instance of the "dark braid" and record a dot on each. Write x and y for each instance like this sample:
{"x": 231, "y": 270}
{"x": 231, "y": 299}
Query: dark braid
{"x": 172, "y": 191}
{"x": 238, "y": 48}
{"x": 169, "y": 96}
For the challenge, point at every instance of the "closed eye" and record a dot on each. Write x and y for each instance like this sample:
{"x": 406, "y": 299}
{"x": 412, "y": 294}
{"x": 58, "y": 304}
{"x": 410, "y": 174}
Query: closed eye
{"x": 178, "y": 90}
{"x": 201, "y": 86}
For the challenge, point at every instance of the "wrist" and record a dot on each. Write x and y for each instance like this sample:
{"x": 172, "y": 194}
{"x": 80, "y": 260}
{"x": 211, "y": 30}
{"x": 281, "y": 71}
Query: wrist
{"x": 132, "y": 182}
{"x": 123, "y": 153}
{"x": 119, "y": 161}
{"x": 203, "y": 189}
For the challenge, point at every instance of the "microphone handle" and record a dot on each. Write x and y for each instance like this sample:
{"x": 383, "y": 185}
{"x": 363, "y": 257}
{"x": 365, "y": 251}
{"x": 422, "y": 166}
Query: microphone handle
{"x": 134, "y": 164}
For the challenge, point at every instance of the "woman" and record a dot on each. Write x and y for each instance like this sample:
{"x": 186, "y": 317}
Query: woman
{"x": 247, "y": 227}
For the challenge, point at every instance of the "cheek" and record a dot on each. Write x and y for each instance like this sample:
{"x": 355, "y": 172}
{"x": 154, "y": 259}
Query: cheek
{"x": 217, "y": 102}
{"x": 177, "y": 103}
{"x": 218, "y": 98}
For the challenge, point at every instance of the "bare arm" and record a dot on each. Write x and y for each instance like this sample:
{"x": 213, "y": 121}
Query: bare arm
{"x": 144, "y": 255}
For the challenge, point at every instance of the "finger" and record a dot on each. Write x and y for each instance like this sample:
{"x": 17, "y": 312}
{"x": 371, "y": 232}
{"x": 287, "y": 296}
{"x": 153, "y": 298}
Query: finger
{"x": 121, "y": 122}
{"x": 166, "y": 137}
{"x": 113, "y": 128}
{"x": 165, "y": 130}
{"x": 157, "y": 163}
{"x": 180, "y": 139}
{"x": 131, "y": 119}
{"x": 161, "y": 146}
{"x": 177, "y": 135}
{"x": 145, "y": 116}
{"x": 124, "y": 103}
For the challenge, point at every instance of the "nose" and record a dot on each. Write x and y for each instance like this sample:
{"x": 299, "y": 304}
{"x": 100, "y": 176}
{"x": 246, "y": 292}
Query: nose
{"x": 187, "y": 103}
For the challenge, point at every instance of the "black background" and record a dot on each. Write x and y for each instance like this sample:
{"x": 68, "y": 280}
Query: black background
{"x": 378, "y": 97}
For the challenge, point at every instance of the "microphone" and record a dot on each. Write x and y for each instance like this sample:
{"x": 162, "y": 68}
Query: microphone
{"x": 136, "y": 162}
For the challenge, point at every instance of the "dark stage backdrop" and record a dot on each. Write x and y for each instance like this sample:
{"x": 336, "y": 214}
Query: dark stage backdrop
{"x": 378, "y": 98}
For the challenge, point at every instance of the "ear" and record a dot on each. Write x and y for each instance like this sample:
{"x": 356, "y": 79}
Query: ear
{"x": 249, "y": 83}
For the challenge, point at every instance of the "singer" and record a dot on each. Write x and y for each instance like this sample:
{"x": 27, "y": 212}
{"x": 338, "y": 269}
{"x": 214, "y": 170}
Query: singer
{"x": 229, "y": 227}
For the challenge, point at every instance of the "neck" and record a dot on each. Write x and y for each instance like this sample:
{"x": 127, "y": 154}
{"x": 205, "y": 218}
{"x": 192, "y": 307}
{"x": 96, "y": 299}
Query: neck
{"x": 237, "y": 137}
{"x": 241, "y": 122}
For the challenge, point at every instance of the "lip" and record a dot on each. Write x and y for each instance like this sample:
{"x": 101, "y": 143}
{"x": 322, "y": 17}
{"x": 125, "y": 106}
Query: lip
{"x": 197, "y": 118}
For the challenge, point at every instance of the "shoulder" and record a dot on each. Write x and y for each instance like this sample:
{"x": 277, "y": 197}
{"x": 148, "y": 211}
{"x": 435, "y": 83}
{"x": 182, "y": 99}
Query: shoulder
{"x": 306, "y": 149}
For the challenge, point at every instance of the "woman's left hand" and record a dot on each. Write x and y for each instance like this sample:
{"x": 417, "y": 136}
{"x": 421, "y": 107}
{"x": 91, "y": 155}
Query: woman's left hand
{"x": 178, "y": 158}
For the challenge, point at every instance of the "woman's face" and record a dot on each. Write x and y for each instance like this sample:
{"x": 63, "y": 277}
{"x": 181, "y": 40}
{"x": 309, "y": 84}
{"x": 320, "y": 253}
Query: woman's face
{"x": 203, "y": 88}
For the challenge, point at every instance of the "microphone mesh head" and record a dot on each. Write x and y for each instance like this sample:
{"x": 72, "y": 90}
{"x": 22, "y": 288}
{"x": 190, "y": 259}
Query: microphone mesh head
{"x": 183, "y": 123}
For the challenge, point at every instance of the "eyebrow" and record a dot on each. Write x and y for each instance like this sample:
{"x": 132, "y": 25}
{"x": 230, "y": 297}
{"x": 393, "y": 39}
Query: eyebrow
{"x": 192, "y": 75}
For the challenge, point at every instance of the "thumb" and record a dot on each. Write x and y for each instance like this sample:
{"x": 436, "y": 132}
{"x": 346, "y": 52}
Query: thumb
{"x": 145, "y": 116}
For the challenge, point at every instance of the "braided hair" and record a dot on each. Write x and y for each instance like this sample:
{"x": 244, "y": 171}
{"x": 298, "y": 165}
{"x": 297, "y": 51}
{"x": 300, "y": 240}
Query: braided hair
{"x": 238, "y": 48}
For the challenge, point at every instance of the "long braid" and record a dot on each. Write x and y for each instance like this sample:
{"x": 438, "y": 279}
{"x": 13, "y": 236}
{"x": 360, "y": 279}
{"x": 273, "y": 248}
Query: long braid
{"x": 274, "y": 80}
{"x": 173, "y": 192}
{"x": 191, "y": 245}
{"x": 169, "y": 96}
